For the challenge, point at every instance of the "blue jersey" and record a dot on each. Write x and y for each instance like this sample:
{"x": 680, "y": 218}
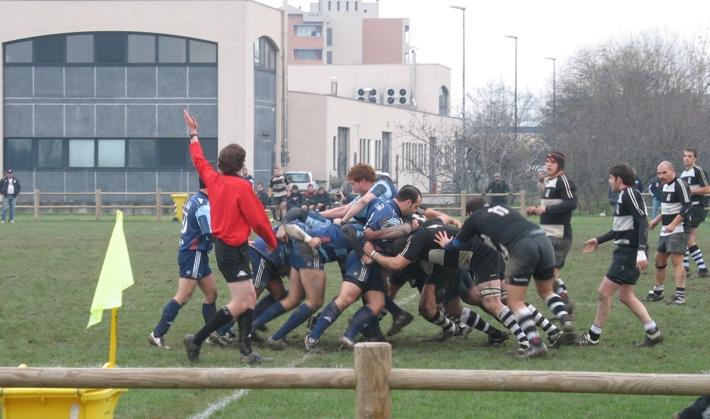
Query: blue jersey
{"x": 195, "y": 231}
{"x": 382, "y": 213}
{"x": 383, "y": 188}
{"x": 333, "y": 244}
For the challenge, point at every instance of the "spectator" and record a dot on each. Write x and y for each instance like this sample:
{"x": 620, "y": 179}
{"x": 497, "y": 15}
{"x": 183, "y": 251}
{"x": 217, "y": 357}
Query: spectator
{"x": 294, "y": 198}
{"x": 322, "y": 200}
{"x": 245, "y": 174}
{"x": 308, "y": 197}
{"x": 278, "y": 189}
{"x": 9, "y": 188}
{"x": 262, "y": 195}
{"x": 497, "y": 185}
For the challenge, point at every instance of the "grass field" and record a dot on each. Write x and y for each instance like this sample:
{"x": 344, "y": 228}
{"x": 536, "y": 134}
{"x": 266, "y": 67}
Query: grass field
{"x": 49, "y": 269}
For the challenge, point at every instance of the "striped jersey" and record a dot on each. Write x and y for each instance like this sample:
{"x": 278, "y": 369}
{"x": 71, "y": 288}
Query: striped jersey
{"x": 675, "y": 199}
{"x": 630, "y": 225}
{"x": 559, "y": 198}
{"x": 695, "y": 176}
{"x": 382, "y": 188}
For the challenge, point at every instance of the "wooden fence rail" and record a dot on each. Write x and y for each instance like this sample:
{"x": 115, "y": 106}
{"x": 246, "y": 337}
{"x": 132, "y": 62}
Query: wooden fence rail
{"x": 372, "y": 378}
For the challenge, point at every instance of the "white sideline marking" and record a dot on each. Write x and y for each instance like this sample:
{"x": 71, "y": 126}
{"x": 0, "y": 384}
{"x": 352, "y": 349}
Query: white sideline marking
{"x": 238, "y": 394}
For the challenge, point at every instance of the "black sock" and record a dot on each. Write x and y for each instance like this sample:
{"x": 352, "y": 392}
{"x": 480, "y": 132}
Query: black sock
{"x": 244, "y": 321}
{"x": 220, "y": 318}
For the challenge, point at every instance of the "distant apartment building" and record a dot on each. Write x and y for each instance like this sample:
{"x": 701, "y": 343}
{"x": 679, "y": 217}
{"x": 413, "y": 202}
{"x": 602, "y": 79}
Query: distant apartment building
{"x": 345, "y": 32}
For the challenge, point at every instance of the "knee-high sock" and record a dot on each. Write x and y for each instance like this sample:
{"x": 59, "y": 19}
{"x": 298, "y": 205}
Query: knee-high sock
{"x": 263, "y": 304}
{"x": 325, "y": 320}
{"x": 557, "y": 307}
{"x": 274, "y": 310}
{"x": 208, "y": 311}
{"x": 527, "y": 323}
{"x": 392, "y": 307}
{"x": 508, "y": 320}
{"x": 299, "y": 315}
{"x": 547, "y": 326}
{"x": 442, "y": 321}
{"x": 220, "y": 318}
{"x": 361, "y": 318}
{"x": 170, "y": 312}
{"x": 697, "y": 256}
{"x": 244, "y": 321}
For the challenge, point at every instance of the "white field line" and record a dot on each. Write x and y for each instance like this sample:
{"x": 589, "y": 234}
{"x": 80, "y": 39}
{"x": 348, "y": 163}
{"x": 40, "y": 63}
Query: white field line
{"x": 238, "y": 394}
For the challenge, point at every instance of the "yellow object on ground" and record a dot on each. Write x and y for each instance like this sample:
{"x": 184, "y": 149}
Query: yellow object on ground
{"x": 179, "y": 200}
{"x": 71, "y": 403}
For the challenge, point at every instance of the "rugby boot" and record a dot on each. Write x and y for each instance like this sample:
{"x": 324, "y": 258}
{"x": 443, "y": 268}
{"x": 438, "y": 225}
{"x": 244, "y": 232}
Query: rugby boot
{"x": 586, "y": 340}
{"x": 399, "y": 322}
{"x": 652, "y": 339}
{"x": 537, "y": 349}
{"x": 702, "y": 273}
{"x": 346, "y": 342}
{"x": 276, "y": 344}
{"x": 654, "y": 295}
{"x": 157, "y": 341}
{"x": 192, "y": 349}
{"x": 253, "y": 358}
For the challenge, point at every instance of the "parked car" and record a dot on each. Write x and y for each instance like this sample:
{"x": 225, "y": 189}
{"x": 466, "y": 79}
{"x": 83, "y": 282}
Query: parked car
{"x": 302, "y": 179}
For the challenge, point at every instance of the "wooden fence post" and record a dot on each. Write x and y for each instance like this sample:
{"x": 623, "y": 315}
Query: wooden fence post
{"x": 522, "y": 202}
{"x": 36, "y": 203}
{"x": 98, "y": 203}
{"x": 373, "y": 363}
{"x": 158, "y": 205}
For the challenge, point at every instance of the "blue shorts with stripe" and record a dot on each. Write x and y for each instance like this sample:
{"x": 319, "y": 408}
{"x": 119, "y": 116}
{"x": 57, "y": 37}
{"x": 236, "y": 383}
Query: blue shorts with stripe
{"x": 304, "y": 257}
{"x": 193, "y": 264}
{"x": 367, "y": 277}
{"x": 262, "y": 269}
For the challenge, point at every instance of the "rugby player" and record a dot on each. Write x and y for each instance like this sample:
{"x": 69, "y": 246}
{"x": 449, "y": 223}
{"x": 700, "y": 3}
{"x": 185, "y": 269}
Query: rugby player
{"x": 697, "y": 180}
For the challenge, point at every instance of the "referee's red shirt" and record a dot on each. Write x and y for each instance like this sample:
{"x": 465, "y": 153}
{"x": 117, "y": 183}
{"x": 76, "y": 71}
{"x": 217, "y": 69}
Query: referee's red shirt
{"x": 234, "y": 207}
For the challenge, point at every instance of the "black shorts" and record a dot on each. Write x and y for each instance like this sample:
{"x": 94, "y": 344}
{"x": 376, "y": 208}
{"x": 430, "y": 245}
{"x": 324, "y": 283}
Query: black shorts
{"x": 367, "y": 277}
{"x": 233, "y": 262}
{"x": 697, "y": 215}
{"x": 623, "y": 270}
{"x": 561, "y": 246}
{"x": 412, "y": 274}
{"x": 485, "y": 265}
{"x": 532, "y": 255}
{"x": 455, "y": 289}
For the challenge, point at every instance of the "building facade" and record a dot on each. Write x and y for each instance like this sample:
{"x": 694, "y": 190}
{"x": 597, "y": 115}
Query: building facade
{"x": 93, "y": 91}
{"x": 345, "y": 32}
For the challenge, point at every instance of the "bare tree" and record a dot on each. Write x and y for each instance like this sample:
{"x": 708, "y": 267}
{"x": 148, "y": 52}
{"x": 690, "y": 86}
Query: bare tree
{"x": 639, "y": 101}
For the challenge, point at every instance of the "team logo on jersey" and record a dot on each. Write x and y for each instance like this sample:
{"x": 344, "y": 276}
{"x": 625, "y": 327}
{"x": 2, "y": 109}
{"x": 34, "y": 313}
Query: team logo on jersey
{"x": 241, "y": 274}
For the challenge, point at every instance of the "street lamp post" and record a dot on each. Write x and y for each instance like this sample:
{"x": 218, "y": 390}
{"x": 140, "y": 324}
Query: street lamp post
{"x": 515, "y": 94}
{"x": 459, "y": 150}
{"x": 554, "y": 88}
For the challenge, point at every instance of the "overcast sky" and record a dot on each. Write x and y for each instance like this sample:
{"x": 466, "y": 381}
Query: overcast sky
{"x": 545, "y": 28}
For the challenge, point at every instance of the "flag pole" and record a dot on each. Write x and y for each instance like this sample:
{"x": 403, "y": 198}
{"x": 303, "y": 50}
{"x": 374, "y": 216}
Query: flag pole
{"x": 113, "y": 338}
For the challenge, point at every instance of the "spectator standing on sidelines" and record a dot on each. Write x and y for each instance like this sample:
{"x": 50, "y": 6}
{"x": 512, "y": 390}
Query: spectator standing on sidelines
{"x": 497, "y": 185}
{"x": 630, "y": 234}
{"x": 697, "y": 180}
{"x": 235, "y": 211}
{"x": 675, "y": 224}
{"x": 9, "y": 188}
{"x": 193, "y": 263}
{"x": 278, "y": 189}
{"x": 559, "y": 199}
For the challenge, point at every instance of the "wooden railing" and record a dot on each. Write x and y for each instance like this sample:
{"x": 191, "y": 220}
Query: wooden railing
{"x": 372, "y": 378}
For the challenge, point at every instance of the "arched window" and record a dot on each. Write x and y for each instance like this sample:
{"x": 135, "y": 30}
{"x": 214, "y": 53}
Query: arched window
{"x": 443, "y": 101}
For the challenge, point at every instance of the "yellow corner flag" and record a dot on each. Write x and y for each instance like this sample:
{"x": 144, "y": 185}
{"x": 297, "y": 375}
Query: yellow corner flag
{"x": 116, "y": 274}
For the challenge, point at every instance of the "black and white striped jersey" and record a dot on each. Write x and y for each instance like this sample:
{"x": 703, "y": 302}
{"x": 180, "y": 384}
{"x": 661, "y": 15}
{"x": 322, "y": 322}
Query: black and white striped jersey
{"x": 675, "y": 199}
{"x": 630, "y": 225}
{"x": 559, "y": 199}
{"x": 695, "y": 176}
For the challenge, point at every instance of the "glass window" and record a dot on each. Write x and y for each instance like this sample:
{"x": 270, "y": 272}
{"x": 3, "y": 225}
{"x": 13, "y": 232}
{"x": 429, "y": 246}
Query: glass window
{"x": 112, "y": 153}
{"x": 141, "y": 154}
{"x": 141, "y": 48}
{"x": 203, "y": 52}
{"x": 308, "y": 30}
{"x": 80, "y": 48}
{"x": 18, "y": 154}
{"x": 49, "y": 153}
{"x": 81, "y": 153}
{"x": 329, "y": 37}
{"x": 308, "y": 54}
{"x": 209, "y": 148}
{"x": 329, "y": 57}
{"x": 172, "y": 153}
{"x": 257, "y": 52}
{"x": 110, "y": 47}
{"x": 443, "y": 101}
{"x": 18, "y": 52}
{"x": 49, "y": 50}
{"x": 171, "y": 49}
